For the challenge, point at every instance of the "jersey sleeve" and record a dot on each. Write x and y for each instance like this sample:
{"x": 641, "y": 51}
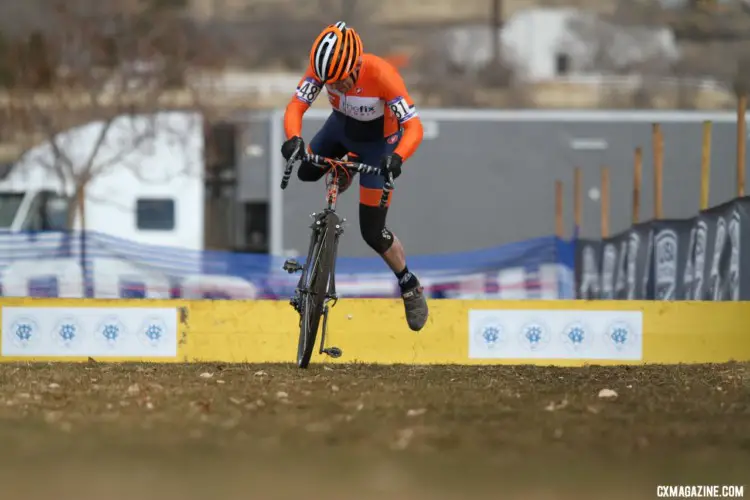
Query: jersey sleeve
{"x": 402, "y": 109}
{"x": 308, "y": 89}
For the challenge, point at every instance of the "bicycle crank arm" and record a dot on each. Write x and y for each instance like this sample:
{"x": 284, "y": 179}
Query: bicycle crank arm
{"x": 333, "y": 352}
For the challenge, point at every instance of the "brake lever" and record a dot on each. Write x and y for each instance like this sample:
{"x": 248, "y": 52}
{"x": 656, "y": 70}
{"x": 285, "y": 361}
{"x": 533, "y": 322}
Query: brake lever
{"x": 387, "y": 188}
{"x": 287, "y": 173}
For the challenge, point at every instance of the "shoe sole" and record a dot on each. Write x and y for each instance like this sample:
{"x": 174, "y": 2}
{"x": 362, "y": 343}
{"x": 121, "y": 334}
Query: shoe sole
{"x": 416, "y": 324}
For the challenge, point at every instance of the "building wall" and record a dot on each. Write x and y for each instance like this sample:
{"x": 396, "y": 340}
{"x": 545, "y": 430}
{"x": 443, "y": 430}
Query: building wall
{"x": 400, "y": 12}
{"x": 486, "y": 178}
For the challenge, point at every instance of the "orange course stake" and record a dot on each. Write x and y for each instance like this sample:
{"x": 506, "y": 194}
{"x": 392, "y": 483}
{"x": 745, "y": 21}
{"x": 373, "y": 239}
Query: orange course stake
{"x": 658, "y": 145}
{"x": 637, "y": 181}
{"x": 705, "y": 164}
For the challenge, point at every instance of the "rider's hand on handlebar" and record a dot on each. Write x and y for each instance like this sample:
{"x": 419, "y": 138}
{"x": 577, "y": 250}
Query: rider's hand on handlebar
{"x": 392, "y": 164}
{"x": 293, "y": 148}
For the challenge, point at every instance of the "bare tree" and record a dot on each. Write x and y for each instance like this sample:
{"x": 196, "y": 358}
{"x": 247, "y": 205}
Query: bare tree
{"x": 459, "y": 68}
{"x": 631, "y": 60}
{"x": 114, "y": 66}
{"x": 712, "y": 40}
{"x": 268, "y": 35}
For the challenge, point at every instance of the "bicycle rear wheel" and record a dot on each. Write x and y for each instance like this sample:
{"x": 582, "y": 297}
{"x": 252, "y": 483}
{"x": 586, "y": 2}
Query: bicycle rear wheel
{"x": 318, "y": 272}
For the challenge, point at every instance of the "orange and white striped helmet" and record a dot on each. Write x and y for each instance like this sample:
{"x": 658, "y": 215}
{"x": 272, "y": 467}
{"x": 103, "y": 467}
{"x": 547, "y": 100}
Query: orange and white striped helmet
{"x": 335, "y": 52}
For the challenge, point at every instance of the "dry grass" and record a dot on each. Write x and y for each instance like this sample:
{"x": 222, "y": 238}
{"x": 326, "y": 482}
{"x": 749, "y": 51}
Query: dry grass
{"x": 211, "y": 431}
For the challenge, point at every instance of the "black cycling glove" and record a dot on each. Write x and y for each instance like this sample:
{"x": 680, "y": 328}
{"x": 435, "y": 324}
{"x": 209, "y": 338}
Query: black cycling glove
{"x": 293, "y": 148}
{"x": 391, "y": 164}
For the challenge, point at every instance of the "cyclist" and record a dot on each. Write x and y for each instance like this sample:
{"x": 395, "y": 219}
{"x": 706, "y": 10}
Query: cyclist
{"x": 373, "y": 118}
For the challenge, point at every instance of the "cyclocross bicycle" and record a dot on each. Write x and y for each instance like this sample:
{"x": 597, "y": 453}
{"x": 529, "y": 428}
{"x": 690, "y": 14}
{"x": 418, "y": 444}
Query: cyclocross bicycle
{"x": 316, "y": 287}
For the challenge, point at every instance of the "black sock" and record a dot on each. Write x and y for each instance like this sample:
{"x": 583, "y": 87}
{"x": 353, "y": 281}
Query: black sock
{"x": 406, "y": 280}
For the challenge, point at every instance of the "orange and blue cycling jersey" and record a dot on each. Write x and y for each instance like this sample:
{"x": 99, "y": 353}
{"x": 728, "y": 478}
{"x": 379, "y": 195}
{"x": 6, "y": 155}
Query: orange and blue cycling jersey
{"x": 377, "y": 110}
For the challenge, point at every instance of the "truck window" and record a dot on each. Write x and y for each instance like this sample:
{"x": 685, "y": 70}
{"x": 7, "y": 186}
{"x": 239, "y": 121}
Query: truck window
{"x": 9, "y": 203}
{"x": 47, "y": 212}
{"x": 56, "y": 213}
{"x": 34, "y": 220}
{"x": 155, "y": 214}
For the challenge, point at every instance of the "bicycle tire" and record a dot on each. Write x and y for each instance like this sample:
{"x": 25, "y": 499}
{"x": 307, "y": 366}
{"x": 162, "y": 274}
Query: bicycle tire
{"x": 318, "y": 270}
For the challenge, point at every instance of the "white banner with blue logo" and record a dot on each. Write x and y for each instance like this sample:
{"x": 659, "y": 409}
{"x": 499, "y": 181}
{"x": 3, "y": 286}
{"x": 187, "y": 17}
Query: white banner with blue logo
{"x": 555, "y": 334}
{"x": 89, "y": 331}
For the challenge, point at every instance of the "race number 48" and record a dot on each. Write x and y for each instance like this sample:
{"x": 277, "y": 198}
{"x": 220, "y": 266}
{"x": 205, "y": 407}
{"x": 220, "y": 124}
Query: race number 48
{"x": 308, "y": 91}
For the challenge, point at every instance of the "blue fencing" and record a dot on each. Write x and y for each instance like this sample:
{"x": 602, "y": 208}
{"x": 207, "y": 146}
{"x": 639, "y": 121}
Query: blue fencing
{"x": 93, "y": 264}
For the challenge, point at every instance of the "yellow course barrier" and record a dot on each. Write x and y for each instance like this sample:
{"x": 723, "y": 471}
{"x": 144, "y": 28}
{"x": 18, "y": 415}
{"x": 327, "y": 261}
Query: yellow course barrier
{"x": 565, "y": 333}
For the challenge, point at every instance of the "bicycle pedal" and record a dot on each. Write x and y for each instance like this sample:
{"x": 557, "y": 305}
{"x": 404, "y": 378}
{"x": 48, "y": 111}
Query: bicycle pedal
{"x": 292, "y": 266}
{"x": 333, "y": 352}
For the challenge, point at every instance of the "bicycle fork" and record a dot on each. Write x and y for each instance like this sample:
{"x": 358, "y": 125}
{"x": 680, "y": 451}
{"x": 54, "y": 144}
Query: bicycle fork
{"x": 292, "y": 266}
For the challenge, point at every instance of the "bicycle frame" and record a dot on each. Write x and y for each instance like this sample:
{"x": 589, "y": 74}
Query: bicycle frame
{"x": 320, "y": 226}
{"x": 329, "y": 215}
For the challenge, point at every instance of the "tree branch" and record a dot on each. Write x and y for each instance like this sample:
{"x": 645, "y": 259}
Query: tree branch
{"x": 114, "y": 69}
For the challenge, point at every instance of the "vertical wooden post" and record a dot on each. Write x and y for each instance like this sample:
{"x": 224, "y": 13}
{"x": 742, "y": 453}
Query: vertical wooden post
{"x": 741, "y": 138}
{"x": 705, "y": 164}
{"x": 559, "y": 209}
{"x": 637, "y": 181}
{"x": 577, "y": 199}
{"x": 658, "y": 146}
{"x": 605, "y": 202}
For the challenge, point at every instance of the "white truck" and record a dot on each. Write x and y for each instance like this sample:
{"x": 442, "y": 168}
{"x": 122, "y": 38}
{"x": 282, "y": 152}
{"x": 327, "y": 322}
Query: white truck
{"x": 144, "y": 214}
{"x": 147, "y": 184}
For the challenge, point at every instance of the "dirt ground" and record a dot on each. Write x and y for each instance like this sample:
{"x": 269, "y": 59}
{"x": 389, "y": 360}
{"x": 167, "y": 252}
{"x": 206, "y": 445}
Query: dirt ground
{"x": 100, "y": 431}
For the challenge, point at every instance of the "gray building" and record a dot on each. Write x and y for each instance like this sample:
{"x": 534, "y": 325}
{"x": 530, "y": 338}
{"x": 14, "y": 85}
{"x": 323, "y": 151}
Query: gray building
{"x": 485, "y": 178}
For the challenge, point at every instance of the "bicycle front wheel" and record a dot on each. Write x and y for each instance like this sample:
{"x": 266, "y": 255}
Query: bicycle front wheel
{"x": 316, "y": 286}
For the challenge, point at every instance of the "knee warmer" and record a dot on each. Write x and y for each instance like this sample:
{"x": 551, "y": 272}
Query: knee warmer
{"x": 372, "y": 226}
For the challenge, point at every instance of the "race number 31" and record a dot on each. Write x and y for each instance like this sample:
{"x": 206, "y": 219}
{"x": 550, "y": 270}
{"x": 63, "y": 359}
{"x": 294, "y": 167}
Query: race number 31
{"x": 401, "y": 110}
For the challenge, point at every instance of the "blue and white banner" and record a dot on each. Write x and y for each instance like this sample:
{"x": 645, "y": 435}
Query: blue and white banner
{"x": 89, "y": 331}
{"x": 555, "y": 334}
{"x": 102, "y": 266}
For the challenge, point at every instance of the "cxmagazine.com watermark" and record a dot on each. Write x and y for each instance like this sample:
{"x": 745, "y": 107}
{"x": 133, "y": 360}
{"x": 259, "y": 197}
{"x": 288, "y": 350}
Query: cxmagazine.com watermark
{"x": 700, "y": 491}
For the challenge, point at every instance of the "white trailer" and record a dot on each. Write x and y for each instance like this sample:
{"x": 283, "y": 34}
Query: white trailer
{"x": 147, "y": 185}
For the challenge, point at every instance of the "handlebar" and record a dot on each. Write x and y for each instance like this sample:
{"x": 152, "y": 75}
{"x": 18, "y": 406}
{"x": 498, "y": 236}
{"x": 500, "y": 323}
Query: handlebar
{"x": 326, "y": 163}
